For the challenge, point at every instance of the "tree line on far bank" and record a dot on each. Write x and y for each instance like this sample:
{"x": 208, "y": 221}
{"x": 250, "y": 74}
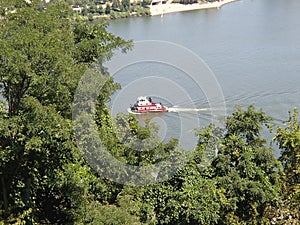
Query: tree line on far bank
{"x": 114, "y": 9}
{"x": 44, "y": 179}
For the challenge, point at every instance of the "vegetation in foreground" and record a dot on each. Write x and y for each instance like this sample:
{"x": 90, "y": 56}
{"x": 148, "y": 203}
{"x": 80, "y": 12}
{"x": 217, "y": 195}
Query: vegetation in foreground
{"x": 45, "y": 180}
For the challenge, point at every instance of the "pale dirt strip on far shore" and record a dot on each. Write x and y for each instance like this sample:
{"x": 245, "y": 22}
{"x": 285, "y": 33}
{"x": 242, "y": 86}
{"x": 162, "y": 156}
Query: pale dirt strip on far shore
{"x": 161, "y": 9}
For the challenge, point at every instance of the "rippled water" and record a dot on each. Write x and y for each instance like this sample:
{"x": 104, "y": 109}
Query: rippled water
{"x": 252, "y": 47}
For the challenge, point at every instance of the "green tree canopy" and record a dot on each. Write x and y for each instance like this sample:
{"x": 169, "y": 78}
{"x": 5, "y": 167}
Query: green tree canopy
{"x": 43, "y": 54}
{"x": 288, "y": 139}
{"x": 246, "y": 168}
{"x": 236, "y": 186}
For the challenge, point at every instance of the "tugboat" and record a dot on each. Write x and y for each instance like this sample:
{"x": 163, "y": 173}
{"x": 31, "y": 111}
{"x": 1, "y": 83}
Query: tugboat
{"x": 145, "y": 105}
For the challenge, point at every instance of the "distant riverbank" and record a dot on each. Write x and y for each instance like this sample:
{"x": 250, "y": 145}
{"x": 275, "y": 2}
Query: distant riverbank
{"x": 161, "y": 9}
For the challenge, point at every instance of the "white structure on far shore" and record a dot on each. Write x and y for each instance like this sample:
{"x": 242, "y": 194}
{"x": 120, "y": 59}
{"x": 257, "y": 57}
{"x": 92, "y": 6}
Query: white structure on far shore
{"x": 160, "y": 9}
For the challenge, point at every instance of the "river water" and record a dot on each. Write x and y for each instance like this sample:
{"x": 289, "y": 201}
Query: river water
{"x": 251, "y": 46}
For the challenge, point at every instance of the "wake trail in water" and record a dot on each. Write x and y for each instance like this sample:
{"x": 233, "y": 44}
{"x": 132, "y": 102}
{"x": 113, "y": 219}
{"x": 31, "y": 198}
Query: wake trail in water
{"x": 173, "y": 109}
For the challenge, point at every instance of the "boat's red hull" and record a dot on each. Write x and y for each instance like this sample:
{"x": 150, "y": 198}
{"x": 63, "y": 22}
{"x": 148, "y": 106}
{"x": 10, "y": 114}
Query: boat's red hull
{"x": 148, "y": 109}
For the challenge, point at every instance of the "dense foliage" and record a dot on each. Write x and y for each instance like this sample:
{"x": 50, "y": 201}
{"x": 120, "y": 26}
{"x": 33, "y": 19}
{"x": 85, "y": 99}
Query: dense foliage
{"x": 44, "y": 178}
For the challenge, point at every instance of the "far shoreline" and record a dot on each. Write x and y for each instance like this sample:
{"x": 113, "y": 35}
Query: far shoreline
{"x": 162, "y": 9}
